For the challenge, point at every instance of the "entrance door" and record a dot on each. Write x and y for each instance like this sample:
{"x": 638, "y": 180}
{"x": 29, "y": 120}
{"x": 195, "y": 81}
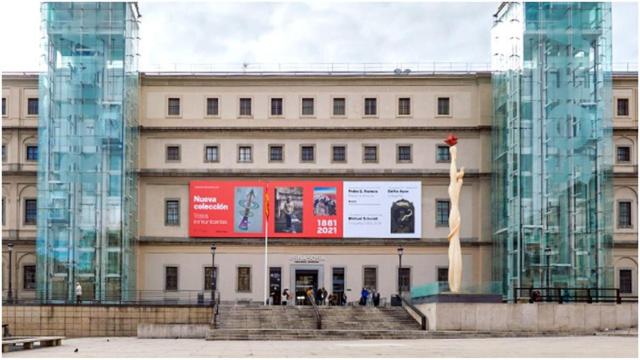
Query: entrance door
{"x": 338, "y": 285}
{"x": 305, "y": 279}
{"x": 275, "y": 285}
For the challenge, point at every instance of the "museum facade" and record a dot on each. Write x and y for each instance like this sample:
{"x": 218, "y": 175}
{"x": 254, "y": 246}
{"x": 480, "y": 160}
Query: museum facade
{"x": 133, "y": 183}
{"x": 183, "y": 138}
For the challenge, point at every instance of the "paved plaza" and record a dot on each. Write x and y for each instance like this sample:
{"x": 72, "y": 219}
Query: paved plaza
{"x": 579, "y": 346}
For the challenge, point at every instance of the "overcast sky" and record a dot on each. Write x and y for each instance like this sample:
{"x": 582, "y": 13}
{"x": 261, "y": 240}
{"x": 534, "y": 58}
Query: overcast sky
{"x": 301, "y": 32}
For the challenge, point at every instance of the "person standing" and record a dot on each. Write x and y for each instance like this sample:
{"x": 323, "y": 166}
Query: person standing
{"x": 78, "y": 293}
{"x": 324, "y": 296}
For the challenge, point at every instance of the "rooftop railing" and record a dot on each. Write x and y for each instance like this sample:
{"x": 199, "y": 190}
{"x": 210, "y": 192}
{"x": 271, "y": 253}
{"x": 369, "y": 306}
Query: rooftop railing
{"x": 360, "y": 68}
{"x": 403, "y": 68}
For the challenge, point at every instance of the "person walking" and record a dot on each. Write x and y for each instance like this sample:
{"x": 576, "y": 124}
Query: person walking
{"x": 285, "y": 297}
{"x": 376, "y": 298}
{"x": 309, "y": 298}
{"x": 78, "y": 293}
{"x": 343, "y": 299}
{"x": 364, "y": 294}
{"x": 319, "y": 296}
{"x": 324, "y": 296}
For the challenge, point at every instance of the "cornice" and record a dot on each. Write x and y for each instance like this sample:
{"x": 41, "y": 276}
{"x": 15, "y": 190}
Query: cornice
{"x": 424, "y": 242}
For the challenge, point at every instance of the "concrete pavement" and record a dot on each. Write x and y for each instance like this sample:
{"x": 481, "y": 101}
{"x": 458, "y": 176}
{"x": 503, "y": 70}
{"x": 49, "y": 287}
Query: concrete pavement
{"x": 575, "y": 346}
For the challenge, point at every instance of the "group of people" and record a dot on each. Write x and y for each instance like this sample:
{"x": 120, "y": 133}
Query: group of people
{"x": 369, "y": 297}
{"x": 319, "y": 297}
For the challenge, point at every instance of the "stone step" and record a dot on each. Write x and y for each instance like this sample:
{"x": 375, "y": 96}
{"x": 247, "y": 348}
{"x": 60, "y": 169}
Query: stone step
{"x": 288, "y": 334}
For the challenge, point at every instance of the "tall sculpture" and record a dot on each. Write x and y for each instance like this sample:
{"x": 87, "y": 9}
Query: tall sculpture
{"x": 455, "y": 184}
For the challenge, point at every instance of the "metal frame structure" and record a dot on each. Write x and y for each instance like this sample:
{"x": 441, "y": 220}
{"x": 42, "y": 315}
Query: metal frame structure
{"x": 88, "y": 147}
{"x": 552, "y": 151}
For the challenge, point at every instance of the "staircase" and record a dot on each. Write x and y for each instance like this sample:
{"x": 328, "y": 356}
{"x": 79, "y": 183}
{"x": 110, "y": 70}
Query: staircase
{"x": 257, "y": 322}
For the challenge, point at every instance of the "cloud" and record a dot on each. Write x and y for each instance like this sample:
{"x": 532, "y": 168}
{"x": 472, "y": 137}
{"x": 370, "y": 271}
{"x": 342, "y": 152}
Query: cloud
{"x": 301, "y": 32}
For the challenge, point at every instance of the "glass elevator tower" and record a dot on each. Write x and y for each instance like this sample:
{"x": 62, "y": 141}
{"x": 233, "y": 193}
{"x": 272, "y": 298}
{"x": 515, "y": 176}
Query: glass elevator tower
{"x": 88, "y": 149}
{"x": 552, "y": 151}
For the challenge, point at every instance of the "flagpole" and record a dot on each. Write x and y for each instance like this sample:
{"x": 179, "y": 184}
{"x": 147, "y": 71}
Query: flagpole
{"x": 266, "y": 273}
{"x": 266, "y": 241}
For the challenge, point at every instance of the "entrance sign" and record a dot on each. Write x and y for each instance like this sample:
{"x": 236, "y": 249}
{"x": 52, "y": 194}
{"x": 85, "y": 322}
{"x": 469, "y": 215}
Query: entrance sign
{"x": 382, "y": 209}
{"x": 305, "y": 209}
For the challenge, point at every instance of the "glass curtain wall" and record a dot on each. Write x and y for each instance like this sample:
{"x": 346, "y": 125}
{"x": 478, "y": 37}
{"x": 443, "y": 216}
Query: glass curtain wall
{"x": 88, "y": 143}
{"x": 552, "y": 151}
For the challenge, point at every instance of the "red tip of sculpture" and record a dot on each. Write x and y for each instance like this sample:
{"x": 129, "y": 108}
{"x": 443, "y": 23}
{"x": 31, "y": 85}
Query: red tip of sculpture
{"x": 451, "y": 140}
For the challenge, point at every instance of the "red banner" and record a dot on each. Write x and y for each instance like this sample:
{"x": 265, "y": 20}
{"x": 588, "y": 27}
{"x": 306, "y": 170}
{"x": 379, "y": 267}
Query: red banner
{"x": 304, "y": 209}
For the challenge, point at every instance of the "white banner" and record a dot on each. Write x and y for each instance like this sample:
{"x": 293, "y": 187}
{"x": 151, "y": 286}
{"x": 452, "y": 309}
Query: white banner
{"x": 382, "y": 209}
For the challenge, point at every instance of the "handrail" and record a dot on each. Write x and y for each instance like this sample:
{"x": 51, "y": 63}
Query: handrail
{"x": 424, "y": 322}
{"x": 316, "y": 312}
{"x": 564, "y": 294}
{"x": 215, "y": 311}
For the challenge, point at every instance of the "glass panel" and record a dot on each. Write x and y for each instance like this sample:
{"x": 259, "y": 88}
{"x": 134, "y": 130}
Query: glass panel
{"x": 339, "y": 106}
{"x": 307, "y": 106}
{"x": 552, "y": 150}
{"x": 212, "y": 106}
{"x": 87, "y": 150}
{"x": 171, "y": 278}
{"x": 371, "y": 278}
{"x": 339, "y": 153}
{"x": 244, "y": 279}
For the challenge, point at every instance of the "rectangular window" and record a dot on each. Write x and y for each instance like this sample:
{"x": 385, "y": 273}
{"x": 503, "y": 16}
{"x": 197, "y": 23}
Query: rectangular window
{"x": 623, "y": 107}
{"x": 211, "y": 153}
{"x": 174, "y": 107}
{"x": 404, "y": 106}
{"x": 212, "y": 106}
{"x": 207, "y": 277}
{"x": 337, "y": 280}
{"x": 276, "y": 153}
{"x": 173, "y": 153}
{"x": 4, "y": 153}
{"x": 624, "y": 214}
{"x": 370, "y": 154}
{"x": 4, "y": 210}
{"x": 339, "y": 106}
{"x": 443, "y": 106}
{"x": 404, "y": 279}
{"x": 370, "y": 106}
{"x": 4, "y": 106}
{"x": 339, "y": 153}
{"x": 370, "y": 278}
{"x": 307, "y": 153}
{"x": 171, "y": 278}
{"x": 442, "y": 154}
{"x": 626, "y": 281}
{"x": 442, "y": 212}
{"x": 404, "y": 153}
{"x": 245, "y": 106}
{"x": 172, "y": 212}
{"x": 32, "y": 152}
{"x": 30, "y": 211}
{"x": 32, "y": 106}
{"x": 276, "y": 106}
{"x": 443, "y": 274}
{"x": 307, "y": 106}
{"x": 244, "y": 279}
{"x": 623, "y": 154}
{"x": 29, "y": 277}
{"x": 244, "y": 154}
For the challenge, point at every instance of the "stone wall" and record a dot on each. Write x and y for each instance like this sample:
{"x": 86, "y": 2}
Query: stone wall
{"x": 94, "y": 320}
{"x": 539, "y": 317}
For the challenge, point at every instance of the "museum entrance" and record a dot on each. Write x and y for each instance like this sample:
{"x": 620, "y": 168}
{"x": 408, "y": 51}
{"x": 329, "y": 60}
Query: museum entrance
{"x": 305, "y": 279}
